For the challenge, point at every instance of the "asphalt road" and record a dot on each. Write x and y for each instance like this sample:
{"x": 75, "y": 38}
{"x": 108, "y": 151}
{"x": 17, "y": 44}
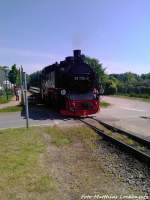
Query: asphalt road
{"x": 132, "y": 115}
{"x": 37, "y": 116}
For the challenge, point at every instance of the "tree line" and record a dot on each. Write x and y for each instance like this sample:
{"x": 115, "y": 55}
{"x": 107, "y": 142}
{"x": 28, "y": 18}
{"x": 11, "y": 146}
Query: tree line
{"x": 11, "y": 74}
{"x": 131, "y": 84}
{"x": 124, "y": 84}
{"x": 9, "y": 77}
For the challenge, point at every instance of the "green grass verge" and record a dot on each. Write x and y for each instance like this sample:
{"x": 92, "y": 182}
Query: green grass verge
{"x": 65, "y": 136}
{"x": 104, "y": 104}
{"x": 11, "y": 109}
{"x": 142, "y": 98}
{"x": 3, "y": 99}
{"x": 23, "y": 169}
{"x": 58, "y": 137}
{"x": 20, "y": 168}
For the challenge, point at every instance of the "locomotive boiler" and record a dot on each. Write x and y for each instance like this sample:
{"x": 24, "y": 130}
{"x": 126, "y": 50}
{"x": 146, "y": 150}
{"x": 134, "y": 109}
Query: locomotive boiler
{"x": 71, "y": 86}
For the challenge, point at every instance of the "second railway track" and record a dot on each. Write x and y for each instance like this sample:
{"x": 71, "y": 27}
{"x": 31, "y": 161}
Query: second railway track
{"x": 132, "y": 144}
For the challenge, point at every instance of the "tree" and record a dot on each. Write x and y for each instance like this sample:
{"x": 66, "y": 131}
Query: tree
{"x": 14, "y": 75}
{"x": 98, "y": 68}
{"x": 110, "y": 87}
{"x": 2, "y": 75}
{"x": 35, "y": 79}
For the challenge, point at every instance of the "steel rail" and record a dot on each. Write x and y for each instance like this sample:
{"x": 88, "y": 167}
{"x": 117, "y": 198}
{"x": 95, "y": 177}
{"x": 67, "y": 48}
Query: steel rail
{"x": 125, "y": 147}
{"x": 124, "y": 132}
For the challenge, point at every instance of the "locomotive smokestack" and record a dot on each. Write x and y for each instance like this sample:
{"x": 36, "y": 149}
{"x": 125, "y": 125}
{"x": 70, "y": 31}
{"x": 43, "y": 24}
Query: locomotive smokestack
{"x": 77, "y": 53}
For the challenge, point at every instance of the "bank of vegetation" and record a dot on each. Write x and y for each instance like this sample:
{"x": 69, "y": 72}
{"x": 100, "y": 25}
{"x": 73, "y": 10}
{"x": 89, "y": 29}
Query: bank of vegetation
{"x": 129, "y": 84}
{"x": 9, "y": 77}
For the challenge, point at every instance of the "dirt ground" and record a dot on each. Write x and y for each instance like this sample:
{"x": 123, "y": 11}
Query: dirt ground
{"x": 79, "y": 167}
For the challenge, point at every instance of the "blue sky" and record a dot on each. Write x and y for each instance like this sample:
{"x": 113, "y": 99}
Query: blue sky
{"x": 36, "y": 33}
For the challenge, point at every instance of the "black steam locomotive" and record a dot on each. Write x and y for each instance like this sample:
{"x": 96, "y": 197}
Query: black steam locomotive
{"x": 71, "y": 86}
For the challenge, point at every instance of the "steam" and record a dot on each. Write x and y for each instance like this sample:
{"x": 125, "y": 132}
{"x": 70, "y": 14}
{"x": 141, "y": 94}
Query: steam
{"x": 78, "y": 41}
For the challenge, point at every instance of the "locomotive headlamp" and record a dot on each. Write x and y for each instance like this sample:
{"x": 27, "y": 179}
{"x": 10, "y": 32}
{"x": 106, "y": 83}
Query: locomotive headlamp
{"x": 63, "y": 92}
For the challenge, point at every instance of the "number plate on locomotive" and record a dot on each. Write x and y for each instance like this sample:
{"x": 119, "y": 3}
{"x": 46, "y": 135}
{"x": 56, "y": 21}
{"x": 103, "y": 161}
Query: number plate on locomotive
{"x": 81, "y": 78}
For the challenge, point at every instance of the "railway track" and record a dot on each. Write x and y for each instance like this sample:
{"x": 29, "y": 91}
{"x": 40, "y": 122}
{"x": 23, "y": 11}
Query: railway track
{"x": 132, "y": 144}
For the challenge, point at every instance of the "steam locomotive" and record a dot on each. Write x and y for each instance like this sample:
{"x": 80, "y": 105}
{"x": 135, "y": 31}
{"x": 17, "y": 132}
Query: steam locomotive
{"x": 71, "y": 86}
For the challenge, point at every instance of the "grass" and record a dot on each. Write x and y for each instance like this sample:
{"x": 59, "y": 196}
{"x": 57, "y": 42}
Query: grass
{"x": 58, "y": 138}
{"x": 124, "y": 139}
{"x": 41, "y": 184}
{"x": 104, "y": 104}
{"x": 119, "y": 136}
{"x": 136, "y": 97}
{"x": 3, "y": 99}
{"x": 69, "y": 135}
{"x": 20, "y": 169}
{"x": 17, "y": 108}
